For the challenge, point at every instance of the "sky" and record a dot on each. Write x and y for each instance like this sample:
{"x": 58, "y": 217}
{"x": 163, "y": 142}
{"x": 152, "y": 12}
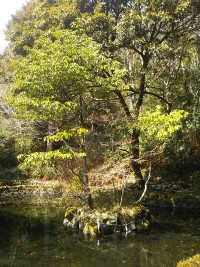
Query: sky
{"x": 7, "y": 8}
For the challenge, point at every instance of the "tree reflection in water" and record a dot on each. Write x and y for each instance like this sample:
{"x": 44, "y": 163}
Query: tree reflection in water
{"x": 35, "y": 236}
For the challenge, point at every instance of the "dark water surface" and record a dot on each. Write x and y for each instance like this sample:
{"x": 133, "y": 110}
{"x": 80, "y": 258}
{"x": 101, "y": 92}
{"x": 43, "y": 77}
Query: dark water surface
{"x": 35, "y": 236}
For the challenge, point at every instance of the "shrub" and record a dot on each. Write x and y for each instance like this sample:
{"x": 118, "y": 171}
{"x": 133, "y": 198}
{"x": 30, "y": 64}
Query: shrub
{"x": 8, "y": 157}
{"x": 180, "y": 158}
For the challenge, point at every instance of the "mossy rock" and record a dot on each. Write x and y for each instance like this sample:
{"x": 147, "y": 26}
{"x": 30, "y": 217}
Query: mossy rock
{"x": 91, "y": 230}
{"x": 106, "y": 222}
{"x": 109, "y": 224}
{"x": 71, "y": 220}
{"x": 190, "y": 262}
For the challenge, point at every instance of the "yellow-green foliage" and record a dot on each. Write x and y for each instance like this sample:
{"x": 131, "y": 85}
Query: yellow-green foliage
{"x": 157, "y": 124}
{"x": 76, "y": 185}
{"x": 64, "y": 135}
{"x": 190, "y": 262}
{"x": 69, "y": 62}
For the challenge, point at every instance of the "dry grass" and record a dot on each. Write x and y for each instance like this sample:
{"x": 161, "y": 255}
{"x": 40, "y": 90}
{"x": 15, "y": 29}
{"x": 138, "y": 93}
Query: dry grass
{"x": 111, "y": 175}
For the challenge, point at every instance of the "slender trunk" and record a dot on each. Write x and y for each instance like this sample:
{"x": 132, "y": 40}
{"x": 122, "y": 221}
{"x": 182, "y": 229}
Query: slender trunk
{"x": 145, "y": 185}
{"x": 135, "y": 142}
{"x": 52, "y": 129}
{"x": 85, "y": 176}
{"x": 86, "y": 184}
{"x": 85, "y": 165}
{"x": 134, "y": 146}
{"x": 135, "y": 155}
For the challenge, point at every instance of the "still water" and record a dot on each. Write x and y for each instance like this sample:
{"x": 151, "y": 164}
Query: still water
{"x": 35, "y": 237}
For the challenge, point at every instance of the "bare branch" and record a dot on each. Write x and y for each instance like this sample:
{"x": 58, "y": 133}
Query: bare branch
{"x": 145, "y": 186}
{"x": 159, "y": 97}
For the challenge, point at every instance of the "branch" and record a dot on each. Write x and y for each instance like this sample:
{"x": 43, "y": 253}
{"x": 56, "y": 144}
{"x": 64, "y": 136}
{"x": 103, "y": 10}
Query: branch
{"x": 134, "y": 91}
{"x": 125, "y": 150}
{"x": 132, "y": 47}
{"x": 124, "y": 105}
{"x": 159, "y": 97}
{"x": 145, "y": 186}
{"x": 153, "y": 33}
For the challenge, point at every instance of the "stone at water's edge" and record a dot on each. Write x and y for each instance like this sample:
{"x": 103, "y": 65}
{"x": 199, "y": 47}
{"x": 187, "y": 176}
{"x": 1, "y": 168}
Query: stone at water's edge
{"x": 118, "y": 220}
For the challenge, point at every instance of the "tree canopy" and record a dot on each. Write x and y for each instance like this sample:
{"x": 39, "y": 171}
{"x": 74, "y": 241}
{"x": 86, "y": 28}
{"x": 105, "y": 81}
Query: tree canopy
{"x": 116, "y": 60}
{"x": 51, "y": 79}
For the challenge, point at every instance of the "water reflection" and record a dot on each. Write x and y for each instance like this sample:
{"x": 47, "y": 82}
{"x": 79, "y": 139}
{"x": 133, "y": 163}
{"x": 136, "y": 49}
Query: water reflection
{"x": 36, "y": 237}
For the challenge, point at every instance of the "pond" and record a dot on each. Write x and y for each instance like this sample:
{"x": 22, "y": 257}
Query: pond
{"x": 34, "y": 236}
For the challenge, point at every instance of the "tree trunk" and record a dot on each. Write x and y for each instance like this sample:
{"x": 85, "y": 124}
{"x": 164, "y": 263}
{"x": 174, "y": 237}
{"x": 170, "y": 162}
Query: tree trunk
{"x": 85, "y": 177}
{"x": 85, "y": 164}
{"x": 134, "y": 144}
{"x": 135, "y": 155}
{"x": 52, "y": 129}
{"x": 133, "y": 118}
{"x": 86, "y": 184}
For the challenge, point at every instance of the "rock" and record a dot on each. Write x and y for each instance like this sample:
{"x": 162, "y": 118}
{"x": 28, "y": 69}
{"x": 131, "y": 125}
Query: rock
{"x": 90, "y": 230}
{"x": 129, "y": 227}
{"x": 143, "y": 225}
{"x": 116, "y": 221}
{"x": 110, "y": 225}
{"x": 71, "y": 219}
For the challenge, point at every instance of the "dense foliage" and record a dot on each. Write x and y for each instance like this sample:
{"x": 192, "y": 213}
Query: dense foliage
{"x": 103, "y": 80}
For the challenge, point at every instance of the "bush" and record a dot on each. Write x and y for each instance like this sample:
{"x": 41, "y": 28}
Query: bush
{"x": 180, "y": 158}
{"x": 10, "y": 174}
{"x": 8, "y": 157}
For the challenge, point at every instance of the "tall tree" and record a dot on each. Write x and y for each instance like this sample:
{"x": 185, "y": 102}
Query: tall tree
{"x": 37, "y": 18}
{"x": 149, "y": 37}
{"x": 50, "y": 84}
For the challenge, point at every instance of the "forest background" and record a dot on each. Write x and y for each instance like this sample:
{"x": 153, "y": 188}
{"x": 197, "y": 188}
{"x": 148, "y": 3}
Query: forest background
{"x": 101, "y": 92}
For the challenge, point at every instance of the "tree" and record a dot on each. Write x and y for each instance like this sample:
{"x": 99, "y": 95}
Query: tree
{"x": 50, "y": 84}
{"x": 149, "y": 38}
{"x": 38, "y": 18}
